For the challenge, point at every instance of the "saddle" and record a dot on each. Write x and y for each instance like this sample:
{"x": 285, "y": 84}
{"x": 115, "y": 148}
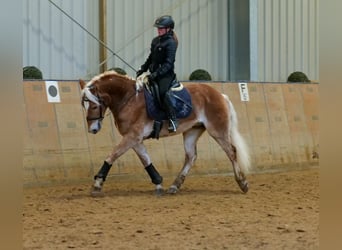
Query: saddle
{"x": 181, "y": 102}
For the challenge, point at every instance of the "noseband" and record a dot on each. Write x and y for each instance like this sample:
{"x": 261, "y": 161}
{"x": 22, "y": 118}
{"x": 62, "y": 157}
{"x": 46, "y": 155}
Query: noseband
{"x": 100, "y": 116}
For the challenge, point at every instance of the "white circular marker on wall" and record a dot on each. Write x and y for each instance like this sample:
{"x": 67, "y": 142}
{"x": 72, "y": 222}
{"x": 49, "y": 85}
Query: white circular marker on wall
{"x": 52, "y": 91}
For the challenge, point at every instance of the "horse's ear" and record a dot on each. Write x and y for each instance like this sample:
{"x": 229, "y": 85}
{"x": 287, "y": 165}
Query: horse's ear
{"x": 82, "y": 83}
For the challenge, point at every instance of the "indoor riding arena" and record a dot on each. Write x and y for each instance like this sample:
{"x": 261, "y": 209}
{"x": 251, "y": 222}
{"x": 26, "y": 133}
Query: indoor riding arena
{"x": 247, "y": 50}
{"x": 280, "y": 211}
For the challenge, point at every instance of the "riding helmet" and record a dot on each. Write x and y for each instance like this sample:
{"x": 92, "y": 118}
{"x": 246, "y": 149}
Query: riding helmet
{"x": 164, "y": 22}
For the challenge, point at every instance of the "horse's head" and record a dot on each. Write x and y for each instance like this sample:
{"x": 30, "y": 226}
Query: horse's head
{"x": 94, "y": 105}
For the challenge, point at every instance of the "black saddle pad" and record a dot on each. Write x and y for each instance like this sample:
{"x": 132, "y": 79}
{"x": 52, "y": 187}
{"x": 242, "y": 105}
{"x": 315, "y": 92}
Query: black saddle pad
{"x": 181, "y": 102}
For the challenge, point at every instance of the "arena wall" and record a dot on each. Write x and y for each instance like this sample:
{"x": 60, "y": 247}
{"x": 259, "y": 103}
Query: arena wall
{"x": 280, "y": 123}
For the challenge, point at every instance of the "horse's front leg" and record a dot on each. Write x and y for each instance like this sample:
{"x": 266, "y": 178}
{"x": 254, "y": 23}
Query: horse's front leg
{"x": 156, "y": 178}
{"x": 101, "y": 175}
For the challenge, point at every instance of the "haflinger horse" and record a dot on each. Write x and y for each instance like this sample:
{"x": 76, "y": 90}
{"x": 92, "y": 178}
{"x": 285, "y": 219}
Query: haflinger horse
{"x": 123, "y": 96}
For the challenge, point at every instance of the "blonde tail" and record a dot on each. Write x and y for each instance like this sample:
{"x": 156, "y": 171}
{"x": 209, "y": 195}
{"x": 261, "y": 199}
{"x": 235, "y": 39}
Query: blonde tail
{"x": 242, "y": 151}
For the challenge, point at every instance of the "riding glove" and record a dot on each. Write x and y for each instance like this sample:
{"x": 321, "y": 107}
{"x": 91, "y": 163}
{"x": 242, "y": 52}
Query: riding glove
{"x": 152, "y": 77}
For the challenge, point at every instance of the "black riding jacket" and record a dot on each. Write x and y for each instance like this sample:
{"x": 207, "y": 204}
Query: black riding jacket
{"x": 162, "y": 56}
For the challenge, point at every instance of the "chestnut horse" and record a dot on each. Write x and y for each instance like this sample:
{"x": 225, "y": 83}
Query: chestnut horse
{"x": 123, "y": 96}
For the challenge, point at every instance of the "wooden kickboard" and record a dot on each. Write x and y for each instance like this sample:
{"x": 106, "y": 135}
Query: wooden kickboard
{"x": 259, "y": 126}
{"x": 279, "y": 129}
{"x": 300, "y": 137}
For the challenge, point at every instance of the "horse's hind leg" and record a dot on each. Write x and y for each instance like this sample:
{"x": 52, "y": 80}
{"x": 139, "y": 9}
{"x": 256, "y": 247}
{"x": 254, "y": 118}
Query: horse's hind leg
{"x": 240, "y": 177}
{"x": 190, "y": 138}
{"x": 231, "y": 152}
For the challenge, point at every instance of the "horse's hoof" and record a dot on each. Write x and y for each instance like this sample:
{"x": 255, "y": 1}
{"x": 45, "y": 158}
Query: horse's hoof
{"x": 244, "y": 187}
{"x": 172, "y": 190}
{"x": 96, "y": 192}
{"x": 159, "y": 192}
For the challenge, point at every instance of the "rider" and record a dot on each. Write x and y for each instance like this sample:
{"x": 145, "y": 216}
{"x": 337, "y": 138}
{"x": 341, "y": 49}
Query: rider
{"x": 160, "y": 63}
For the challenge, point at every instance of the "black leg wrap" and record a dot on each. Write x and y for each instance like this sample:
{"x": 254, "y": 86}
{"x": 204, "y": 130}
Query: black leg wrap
{"x": 103, "y": 171}
{"x": 153, "y": 173}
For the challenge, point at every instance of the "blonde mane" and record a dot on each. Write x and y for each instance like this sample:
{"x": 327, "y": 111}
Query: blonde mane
{"x": 106, "y": 74}
{"x": 141, "y": 80}
{"x": 86, "y": 91}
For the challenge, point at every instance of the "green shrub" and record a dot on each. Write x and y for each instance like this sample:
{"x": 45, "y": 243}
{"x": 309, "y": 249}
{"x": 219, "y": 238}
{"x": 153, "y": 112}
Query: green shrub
{"x": 32, "y": 72}
{"x": 200, "y": 74}
{"x": 297, "y": 76}
{"x": 119, "y": 71}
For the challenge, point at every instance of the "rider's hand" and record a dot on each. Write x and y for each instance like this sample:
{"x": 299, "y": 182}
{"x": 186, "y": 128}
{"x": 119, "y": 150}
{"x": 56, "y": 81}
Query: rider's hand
{"x": 152, "y": 77}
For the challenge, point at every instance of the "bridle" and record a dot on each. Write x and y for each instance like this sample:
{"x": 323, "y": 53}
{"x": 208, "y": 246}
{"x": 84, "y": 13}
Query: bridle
{"x": 100, "y": 116}
{"x": 101, "y": 105}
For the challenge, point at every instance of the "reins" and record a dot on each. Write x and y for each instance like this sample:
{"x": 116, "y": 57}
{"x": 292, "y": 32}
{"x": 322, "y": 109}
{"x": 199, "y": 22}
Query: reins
{"x": 124, "y": 102}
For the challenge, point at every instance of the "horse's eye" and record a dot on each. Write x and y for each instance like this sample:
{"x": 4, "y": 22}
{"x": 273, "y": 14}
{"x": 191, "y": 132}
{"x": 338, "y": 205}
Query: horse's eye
{"x": 94, "y": 107}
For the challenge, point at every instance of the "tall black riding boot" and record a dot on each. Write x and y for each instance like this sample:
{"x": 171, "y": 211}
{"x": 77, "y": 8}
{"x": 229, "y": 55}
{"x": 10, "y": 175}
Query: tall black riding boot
{"x": 171, "y": 113}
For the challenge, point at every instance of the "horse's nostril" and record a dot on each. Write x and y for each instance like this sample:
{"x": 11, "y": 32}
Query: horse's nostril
{"x": 94, "y": 131}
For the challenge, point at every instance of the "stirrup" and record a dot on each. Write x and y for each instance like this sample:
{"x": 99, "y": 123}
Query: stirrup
{"x": 172, "y": 125}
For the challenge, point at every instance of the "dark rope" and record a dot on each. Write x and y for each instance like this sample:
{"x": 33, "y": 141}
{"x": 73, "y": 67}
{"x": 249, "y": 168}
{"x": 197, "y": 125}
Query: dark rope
{"x": 89, "y": 33}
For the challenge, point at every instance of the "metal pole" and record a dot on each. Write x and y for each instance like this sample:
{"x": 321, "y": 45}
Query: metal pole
{"x": 103, "y": 33}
